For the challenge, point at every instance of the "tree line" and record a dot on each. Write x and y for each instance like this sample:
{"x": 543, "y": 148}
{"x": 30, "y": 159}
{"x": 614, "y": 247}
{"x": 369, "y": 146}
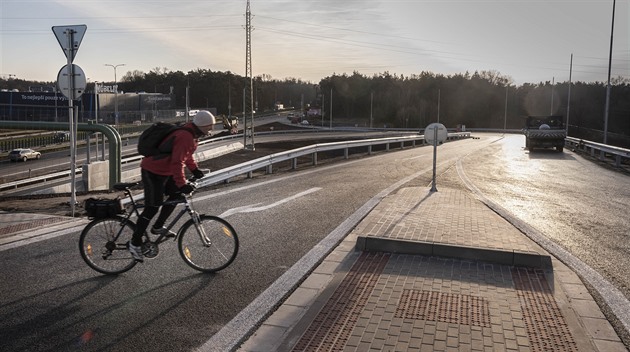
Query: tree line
{"x": 485, "y": 99}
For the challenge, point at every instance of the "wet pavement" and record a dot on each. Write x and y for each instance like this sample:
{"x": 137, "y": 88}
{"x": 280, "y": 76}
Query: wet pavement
{"x": 423, "y": 271}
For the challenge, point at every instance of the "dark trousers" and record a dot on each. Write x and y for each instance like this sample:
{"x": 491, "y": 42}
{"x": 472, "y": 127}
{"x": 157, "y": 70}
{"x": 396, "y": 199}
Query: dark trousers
{"x": 155, "y": 188}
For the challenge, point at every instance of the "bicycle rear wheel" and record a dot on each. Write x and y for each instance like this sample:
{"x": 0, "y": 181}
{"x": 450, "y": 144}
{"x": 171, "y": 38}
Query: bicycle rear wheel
{"x": 103, "y": 245}
{"x": 210, "y": 247}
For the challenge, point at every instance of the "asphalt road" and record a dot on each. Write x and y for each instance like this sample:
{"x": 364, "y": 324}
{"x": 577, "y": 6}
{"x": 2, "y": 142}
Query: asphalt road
{"x": 51, "y": 301}
{"x": 572, "y": 201}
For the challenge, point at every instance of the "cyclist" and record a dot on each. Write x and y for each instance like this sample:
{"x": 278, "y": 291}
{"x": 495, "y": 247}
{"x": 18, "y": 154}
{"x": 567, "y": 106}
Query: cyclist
{"x": 164, "y": 175}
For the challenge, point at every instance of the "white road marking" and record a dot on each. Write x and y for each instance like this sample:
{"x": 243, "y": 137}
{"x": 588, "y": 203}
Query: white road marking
{"x": 255, "y": 207}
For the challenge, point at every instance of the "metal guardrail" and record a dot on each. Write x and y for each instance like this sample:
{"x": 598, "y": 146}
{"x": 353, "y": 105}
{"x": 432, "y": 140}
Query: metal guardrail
{"x": 223, "y": 175}
{"x": 39, "y": 179}
{"x": 62, "y": 174}
{"x": 266, "y": 162}
{"x": 618, "y": 154}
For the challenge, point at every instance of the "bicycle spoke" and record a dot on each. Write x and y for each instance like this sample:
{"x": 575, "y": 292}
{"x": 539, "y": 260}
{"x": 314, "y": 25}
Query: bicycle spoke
{"x": 103, "y": 245}
{"x": 211, "y": 245}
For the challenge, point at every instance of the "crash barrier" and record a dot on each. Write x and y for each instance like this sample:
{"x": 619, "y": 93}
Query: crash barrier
{"x": 267, "y": 162}
{"x": 113, "y": 138}
{"x": 619, "y": 155}
{"x": 224, "y": 175}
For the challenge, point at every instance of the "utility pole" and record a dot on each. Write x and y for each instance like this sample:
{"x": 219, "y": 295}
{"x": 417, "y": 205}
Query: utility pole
{"x": 505, "y": 113}
{"x": 230, "y": 100}
{"x": 331, "y": 108}
{"x": 322, "y": 112}
{"x": 371, "y": 106}
{"x": 553, "y": 83}
{"x": 248, "y": 97}
{"x": 607, "y": 108}
{"x": 438, "y": 115}
{"x": 569, "y": 94}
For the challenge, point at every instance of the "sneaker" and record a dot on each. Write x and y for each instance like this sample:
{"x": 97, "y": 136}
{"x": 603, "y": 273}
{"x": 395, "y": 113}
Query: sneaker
{"x": 162, "y": 231}
{"x": 136, "y": 252}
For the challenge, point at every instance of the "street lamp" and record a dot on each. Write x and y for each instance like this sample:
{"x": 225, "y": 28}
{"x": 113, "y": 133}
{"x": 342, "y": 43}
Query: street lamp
{"x": 115, "y": 92}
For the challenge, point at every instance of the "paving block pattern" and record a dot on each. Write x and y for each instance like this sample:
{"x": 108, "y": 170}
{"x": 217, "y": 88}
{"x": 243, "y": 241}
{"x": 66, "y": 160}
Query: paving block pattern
{"x": 18, "y": 226}
{"x": 448, "y": 216}
{"x": 394, "y": 302}
{"x": 540, "y": 312}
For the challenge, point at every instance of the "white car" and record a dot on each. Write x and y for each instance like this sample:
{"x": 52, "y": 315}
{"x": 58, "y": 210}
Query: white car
{"x": 24, "y": 154}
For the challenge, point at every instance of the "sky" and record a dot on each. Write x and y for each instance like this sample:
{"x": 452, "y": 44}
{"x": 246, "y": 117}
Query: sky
{"x": 530, "y": 41}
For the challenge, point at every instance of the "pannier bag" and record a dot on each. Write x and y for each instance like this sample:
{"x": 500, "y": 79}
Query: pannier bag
{"x": 103, "y": 208}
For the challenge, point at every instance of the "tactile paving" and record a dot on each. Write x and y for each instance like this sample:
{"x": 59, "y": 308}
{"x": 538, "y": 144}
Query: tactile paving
{"x": 331, "y": 328}
{"x": 546, "y": 328}
{"x": 30, "y": 225}
{"x": 444, "y": 307}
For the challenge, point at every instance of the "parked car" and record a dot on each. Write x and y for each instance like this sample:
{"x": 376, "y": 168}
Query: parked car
{"x": 24, "y": 154}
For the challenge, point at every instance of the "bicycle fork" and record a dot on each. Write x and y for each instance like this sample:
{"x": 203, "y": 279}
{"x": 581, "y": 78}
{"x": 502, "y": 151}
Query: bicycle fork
{"x": 200, "y": 229}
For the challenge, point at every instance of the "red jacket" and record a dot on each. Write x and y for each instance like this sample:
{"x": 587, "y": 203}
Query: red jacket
{"x": 184, "y": 142}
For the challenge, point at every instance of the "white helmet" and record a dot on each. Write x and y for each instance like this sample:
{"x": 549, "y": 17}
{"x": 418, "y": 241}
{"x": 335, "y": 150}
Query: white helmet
{"x": 204, "y": 118}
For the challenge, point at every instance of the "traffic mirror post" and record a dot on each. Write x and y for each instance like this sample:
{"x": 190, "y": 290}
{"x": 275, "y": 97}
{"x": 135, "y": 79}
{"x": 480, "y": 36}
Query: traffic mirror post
{"x": 435, "y": 134}
{"x": 435, "y": 131}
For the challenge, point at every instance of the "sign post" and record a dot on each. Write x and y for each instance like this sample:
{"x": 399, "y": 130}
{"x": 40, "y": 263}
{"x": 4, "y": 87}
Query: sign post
{"x": 69, "y": 38}
{"x": 435, "y": 134}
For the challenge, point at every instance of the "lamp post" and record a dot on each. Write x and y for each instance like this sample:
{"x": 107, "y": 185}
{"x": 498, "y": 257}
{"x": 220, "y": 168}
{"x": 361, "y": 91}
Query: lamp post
{"x": 115, "y": 92}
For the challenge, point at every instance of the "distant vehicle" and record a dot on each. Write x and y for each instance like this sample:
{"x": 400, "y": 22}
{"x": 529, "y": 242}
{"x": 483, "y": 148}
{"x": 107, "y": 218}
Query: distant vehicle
{"x": 24, "y": 154}
{"x": 61, "y": 137}
{"x": 544, "y": 132}
{"x": 231, "y": 124}
{"x": 304, "y": 122}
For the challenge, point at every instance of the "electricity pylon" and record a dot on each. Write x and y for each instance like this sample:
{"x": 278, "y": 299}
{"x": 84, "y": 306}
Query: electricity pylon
{"x": 248, "y": 92}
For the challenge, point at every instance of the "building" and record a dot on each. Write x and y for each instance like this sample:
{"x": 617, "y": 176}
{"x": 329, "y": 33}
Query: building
{"x": 53, "y": 107}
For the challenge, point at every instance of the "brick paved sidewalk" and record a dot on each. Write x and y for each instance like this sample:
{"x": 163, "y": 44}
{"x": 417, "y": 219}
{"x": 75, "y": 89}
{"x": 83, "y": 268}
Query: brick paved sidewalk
{"x": 391, "y": 301}
{"x": 16, "y": 226}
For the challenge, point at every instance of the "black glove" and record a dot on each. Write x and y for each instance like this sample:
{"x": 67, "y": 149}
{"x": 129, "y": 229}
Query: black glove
{"x": 197, "y": 173}
{"x": 187, "y": 188}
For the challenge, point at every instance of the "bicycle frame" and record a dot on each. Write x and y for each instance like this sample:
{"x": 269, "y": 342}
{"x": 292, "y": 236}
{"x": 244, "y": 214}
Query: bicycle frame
{"x": 188, "y": 208}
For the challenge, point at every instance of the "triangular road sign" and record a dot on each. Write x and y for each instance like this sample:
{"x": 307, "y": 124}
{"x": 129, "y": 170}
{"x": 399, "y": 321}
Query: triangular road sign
{"x": 69, "y": 37}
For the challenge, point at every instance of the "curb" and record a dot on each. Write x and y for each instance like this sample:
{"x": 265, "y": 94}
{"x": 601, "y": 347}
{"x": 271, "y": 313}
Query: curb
{"x": 497, "y": 256}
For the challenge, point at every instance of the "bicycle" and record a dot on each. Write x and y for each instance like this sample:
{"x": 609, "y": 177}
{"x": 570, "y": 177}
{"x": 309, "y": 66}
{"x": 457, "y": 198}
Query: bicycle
{"x": 206, "y": 243}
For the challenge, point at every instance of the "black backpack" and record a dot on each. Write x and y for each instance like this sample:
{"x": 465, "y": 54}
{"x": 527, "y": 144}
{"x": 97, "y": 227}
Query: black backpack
{"x": 150, "y": 140}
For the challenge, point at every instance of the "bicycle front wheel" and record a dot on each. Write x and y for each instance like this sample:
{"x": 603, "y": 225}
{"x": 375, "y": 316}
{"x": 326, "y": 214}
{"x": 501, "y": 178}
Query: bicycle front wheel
{"x": 103, "y": 245}
{"x": 210, "y": 246}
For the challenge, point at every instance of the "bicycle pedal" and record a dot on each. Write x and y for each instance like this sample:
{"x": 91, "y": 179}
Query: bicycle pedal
{"x": 150, "y": 250}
